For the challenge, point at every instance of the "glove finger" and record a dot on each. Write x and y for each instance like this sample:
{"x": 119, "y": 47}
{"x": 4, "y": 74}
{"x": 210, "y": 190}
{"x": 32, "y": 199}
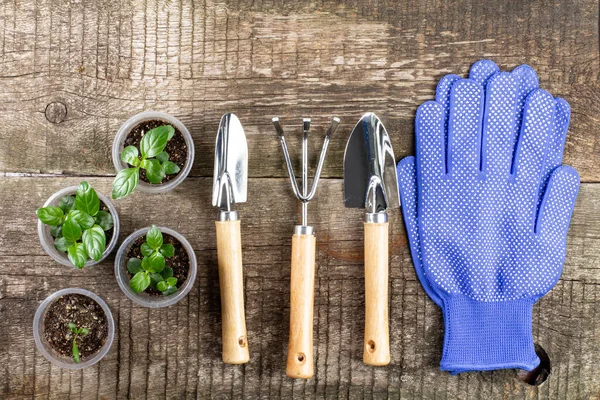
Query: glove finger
{"x": 557, "y": 142}
{"x": 556, "y": 148}
{"x": 557, "y": 206}
{"x": 499, "y": 124}
{"x": 483, "y": 70}
{"x": 407, "y": 185}
{"x": 442, "y": 96}
{"x": 431, "y": 152}
{"x": 528, "y": 82}
{"x": 533, "y": 141}
{"x": 464, "y": 128}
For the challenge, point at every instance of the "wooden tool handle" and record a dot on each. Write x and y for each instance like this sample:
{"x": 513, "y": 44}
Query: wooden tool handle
{"x": 302, "y": 288}
{"x": 231, "y": 281}
{"x": 377, "y": 341}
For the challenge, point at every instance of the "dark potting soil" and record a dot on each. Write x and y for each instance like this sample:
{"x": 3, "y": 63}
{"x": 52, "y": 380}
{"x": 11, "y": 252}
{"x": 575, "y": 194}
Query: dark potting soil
{"x": 180, "y": 262}
{"x": 83, "y": 312}
{"x": 176, "y": 147}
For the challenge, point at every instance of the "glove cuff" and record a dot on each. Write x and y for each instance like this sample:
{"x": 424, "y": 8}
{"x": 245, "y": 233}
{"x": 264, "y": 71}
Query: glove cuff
{"x": 483, "y": 336}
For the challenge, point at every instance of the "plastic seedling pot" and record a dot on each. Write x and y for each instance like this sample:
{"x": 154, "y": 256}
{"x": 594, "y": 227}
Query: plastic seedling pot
{"x": 143, "y": 298}
{"x": 131, "y": 123}
{"x": 46, "y": 349}
{"x": 47, "y": 240}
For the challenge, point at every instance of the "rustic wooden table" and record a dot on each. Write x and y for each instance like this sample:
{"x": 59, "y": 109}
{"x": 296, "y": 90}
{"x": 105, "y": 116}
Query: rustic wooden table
{"x": 71, "y": 72}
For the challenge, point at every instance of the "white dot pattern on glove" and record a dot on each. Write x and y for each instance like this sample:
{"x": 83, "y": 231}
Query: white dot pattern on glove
{"x": 477, "y": 223}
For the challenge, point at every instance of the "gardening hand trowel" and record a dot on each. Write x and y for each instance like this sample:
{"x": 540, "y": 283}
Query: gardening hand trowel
{"x": 370, "y": 182}
{"x": 230, "y": 186}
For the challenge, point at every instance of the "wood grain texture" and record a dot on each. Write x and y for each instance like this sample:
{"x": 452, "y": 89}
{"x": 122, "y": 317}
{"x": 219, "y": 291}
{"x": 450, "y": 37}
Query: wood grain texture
{"x": 231, "y": 287}
{"x": 300, "y": 358}
{"x": 141, "y": 364}
{"x": 376, "y": 347}
{"x": 71, "y": 72}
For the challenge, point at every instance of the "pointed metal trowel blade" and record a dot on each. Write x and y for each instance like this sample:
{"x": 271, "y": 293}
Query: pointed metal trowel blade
{"x": 370, "y": 179}
{"x": 230, "y": 184}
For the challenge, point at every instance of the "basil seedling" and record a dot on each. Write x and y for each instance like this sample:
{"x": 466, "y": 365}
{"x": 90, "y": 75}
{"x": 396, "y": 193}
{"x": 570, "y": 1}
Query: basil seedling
{"x": 77, "y": 332}
{"x": 78, "y": 225}
{"x": 154, "y": 160}
{"x": 151, "y": 271}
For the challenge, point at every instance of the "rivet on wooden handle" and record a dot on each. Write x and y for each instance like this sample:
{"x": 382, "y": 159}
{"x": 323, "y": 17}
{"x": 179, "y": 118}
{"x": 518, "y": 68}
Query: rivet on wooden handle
{"x": 302, "y": 288}
{"x": 231, "y": 281}
{"x": 377, "y": 341}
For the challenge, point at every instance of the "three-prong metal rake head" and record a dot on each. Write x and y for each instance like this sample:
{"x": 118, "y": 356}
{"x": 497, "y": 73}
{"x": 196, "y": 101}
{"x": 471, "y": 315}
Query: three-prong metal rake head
{"x": 305, "y": 196}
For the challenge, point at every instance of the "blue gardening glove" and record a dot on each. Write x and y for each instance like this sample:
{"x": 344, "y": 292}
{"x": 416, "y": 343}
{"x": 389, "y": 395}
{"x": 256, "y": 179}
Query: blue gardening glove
{"x": 480, "y": 72}
{"x": 490, "y": 244}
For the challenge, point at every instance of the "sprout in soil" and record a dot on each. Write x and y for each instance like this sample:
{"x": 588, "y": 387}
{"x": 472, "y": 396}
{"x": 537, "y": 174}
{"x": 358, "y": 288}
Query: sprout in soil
{"x": 151, "y": 271}
{"x": 78, "y": 225}
{"x": 154, "y": 160}
{"x": 77, "y": 332}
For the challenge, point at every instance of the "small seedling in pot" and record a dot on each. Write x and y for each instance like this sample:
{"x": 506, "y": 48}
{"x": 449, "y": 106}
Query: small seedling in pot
{"x": 76, "y": 333}
{"x": 151, "y": 271}
{"x": 154, "y": 160}
{"x": 78, "y": 225}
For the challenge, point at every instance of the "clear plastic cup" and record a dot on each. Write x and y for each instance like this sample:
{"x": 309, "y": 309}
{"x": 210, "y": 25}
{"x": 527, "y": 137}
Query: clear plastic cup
{"x": 46, "y": 349}
{"x": 143, "y": 298}
{"x": 47, "y": 240}
{"x": 118, "y": 145}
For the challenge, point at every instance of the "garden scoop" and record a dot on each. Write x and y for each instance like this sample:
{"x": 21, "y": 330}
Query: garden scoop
{"x": 230, "y": 186}
{"x": 370, "y": 182}
{"x": 300, "y": 363}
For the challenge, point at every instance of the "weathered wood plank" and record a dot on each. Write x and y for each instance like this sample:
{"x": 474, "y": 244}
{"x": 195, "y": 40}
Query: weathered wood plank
{"x": 176, "y": 352}
{"x": 103, "y": 61}
{"x": 72, "y": 72}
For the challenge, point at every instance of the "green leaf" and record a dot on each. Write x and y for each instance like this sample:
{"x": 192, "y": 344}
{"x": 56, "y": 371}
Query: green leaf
{"x": 75, "y": 351}
{"x": 134, "y": 265}
{"x": 162, "y": 286}
{"x": 139, "y": 282}
{"x": 124, "y": 183}
{"x": 166, "y": 273}
{"x": 71, "y": 230}
{"x": 56, "y": 231}
{"x": 154, "y": 171}
{"x": 167, "y": 250}
{"x": 84, "y": 331}
{"x": 94, "y": 241}
{"x": 130, "y": 156}
{"x": 87, "y": 199}
{"x": 66, "y": 203}
{"x": 146, "y": 250}
{"x": 171, "y": 131}
{"x": 162, "y": 156}
{"x": 50, "y": 215}
{"x": 155, "y": 278}
{"x": 77, "y": 255}
{"x": 84, "y": 220}
{"x": 170, "y": 291}
{"x": 72, "y": 327}
{"x": 170, "y": 168}
{"x": 146, "y": 264}
{"x": 62, "y": 244}
{"x": 154, "y": 237}
{"x": 104, "y": 219}
{"x": 154, "y": 141}
{"x": 156, "y": 262}
{"x": 172, "y": 281}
